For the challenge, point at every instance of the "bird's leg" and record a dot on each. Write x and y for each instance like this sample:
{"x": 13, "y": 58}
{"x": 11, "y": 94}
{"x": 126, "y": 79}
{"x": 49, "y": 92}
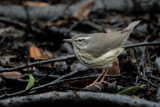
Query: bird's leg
{"x": 94, "y": 83}
{"x": 102, "y": 80}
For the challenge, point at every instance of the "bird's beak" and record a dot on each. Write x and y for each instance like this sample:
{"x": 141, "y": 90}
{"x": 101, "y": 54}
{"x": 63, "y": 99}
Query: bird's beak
{"x": 68, "y": 40}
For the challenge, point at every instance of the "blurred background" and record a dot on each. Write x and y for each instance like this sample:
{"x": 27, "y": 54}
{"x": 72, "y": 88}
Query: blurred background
{"x": 34, "y": 31}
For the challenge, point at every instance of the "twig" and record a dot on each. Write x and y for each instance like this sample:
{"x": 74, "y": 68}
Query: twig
{"x": 154, "y": 77}
{"x": 24, "y": 91}
{"x": 141, "y": 44}
{"x": 70, "y": 2}
{"x": 39, "y": 87}
{"x": 40, "y": 75}
{"x": 37, "y": 63}
{"x": 149, "y": 60}
{"x": 93, "y": 76}
{"x": 13, "y": 22}
{"x": 55, "y": 81}
{"x": 75, "y": 23}
{"x": 146, "y": 80}
{"x": 45, "y": 76}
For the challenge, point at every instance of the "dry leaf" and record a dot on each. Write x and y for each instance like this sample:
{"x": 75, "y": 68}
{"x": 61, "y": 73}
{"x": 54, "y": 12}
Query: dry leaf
{"x": 35, "y": 52}
{"x": 35, "y": 3}
{"x": 84, "y": 11}
{"x": 114, "y": 70}
{"x": 57, "y": 63}
{"x": 15, "y": 74}
{"x": 133, "y": 59}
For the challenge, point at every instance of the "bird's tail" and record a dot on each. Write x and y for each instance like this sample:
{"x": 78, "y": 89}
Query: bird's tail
{"x": 126, "y": 32}
{"x": 131, "y": 26}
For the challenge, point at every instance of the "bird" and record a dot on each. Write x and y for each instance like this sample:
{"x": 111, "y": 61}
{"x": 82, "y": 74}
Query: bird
{"x": 99, "y": 50}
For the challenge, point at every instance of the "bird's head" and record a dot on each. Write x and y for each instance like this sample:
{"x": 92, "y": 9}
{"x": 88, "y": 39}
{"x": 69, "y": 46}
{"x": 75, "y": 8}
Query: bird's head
{"x": 80, "y": 41}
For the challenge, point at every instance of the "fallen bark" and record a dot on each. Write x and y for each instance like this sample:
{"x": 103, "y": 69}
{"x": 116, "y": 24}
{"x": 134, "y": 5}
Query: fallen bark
{"x": 78, "y": 99}
{"x": 49, "y": 12}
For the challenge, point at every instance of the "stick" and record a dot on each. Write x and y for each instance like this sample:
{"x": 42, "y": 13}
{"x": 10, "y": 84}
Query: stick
{"x": 39, "y": 87}
{"x": 74, "y": 98}
{"x": 141, "y": 44}
{"x": 37, "y": 63}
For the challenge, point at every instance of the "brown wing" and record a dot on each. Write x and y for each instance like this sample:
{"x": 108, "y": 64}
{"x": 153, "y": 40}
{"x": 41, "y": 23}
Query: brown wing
{"x": 104, "y": 42}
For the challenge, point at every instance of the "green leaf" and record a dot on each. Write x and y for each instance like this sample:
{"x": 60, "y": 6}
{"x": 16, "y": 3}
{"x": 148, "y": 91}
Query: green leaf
{"x": 130, "y": 90}
{"x": 30, "y": 82}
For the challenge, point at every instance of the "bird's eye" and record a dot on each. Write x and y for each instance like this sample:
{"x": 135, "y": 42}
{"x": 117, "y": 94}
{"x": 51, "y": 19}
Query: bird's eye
{"x": 80, "y": 40}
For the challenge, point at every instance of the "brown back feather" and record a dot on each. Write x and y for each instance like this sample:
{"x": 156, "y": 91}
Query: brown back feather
{"x": 104, "y": 42}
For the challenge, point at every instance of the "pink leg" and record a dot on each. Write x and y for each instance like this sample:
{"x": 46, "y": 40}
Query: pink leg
{"x": 102, "y": 80}
{"x": 94, "y": 83}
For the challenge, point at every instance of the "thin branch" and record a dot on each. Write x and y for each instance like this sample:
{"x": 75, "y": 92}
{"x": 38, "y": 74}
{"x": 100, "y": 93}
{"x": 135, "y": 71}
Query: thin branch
{"x": 146, "y": 80}
{"x": 55, "y": 81}
{"x": 154, "y": 77}
{"x": 13, "y": 22}
{"x": 39, "y": 87}
{"x": 141, "y": 44}
{"x": 93, "y": 76}
{"x": 37, "y": 63}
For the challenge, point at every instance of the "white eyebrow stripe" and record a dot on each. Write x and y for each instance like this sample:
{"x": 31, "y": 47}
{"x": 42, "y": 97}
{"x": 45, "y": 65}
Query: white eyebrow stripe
{"x": 83, "y": 38}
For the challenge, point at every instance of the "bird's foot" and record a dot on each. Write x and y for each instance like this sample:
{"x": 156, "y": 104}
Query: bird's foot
{"x": 94, "y": 84}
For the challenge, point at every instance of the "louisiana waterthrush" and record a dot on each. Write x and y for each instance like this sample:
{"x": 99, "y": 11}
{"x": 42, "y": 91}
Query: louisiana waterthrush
{"x": 99, "y": 50}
